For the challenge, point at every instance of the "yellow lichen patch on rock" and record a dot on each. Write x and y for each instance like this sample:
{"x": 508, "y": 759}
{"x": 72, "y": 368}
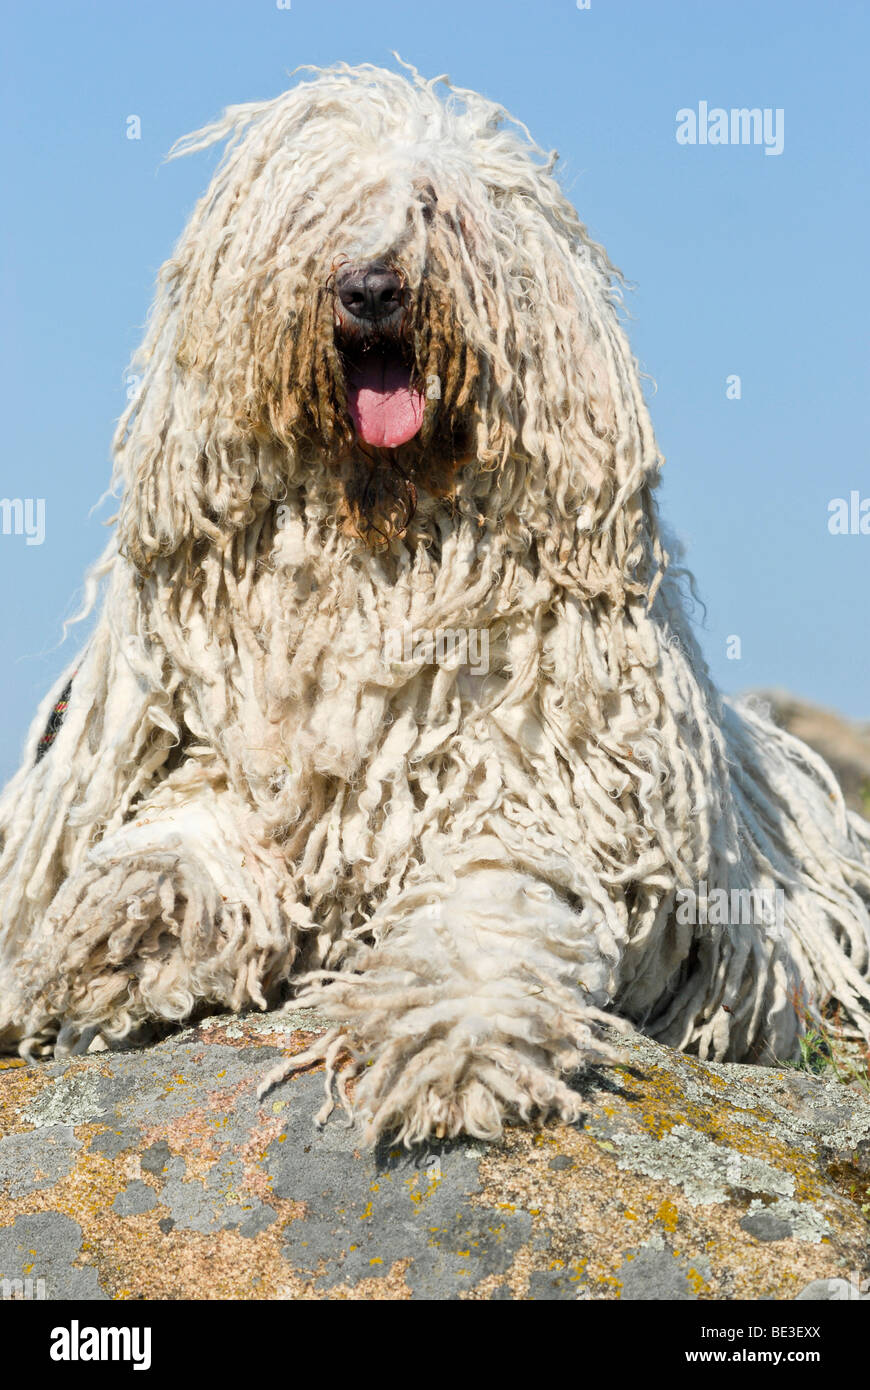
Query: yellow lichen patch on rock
{"x": 668, "y": 1215}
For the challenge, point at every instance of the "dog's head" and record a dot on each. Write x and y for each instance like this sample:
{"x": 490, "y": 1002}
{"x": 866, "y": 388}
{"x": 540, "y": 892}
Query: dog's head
{"x": 384, "y": 293}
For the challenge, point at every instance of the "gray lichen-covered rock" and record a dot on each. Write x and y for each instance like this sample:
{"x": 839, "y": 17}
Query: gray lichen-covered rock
{"x": 157, "y": 1173}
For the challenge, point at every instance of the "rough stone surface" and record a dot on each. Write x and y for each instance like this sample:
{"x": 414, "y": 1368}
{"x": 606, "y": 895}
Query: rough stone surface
{"x": 157, "y": 1173}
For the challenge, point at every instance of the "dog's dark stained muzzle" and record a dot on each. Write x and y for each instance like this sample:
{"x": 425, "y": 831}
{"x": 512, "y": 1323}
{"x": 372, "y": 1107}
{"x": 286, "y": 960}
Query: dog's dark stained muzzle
{"x": 385, "y": 408}
{"x": 371, "y": 295}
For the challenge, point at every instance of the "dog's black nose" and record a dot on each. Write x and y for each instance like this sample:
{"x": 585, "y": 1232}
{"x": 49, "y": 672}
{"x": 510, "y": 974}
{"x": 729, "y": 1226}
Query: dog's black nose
{"x": 369, "y": 291}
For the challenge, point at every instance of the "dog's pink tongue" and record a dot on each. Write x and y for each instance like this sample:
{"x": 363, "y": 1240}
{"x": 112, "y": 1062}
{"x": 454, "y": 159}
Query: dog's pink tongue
{"x": 384, "y": 409}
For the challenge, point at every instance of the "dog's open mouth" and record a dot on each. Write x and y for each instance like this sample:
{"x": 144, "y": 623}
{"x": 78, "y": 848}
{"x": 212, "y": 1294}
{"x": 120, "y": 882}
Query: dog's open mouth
{"x": 384, "y": 406}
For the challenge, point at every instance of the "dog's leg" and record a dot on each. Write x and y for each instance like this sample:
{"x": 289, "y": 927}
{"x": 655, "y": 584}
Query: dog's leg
{"x": 791, "y": 812}
{"x": 475, "y": 1001}
{"x": 791, "y": 944}
{"x": 184, "y": 906}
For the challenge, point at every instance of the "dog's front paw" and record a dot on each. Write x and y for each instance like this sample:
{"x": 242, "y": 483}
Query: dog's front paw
{"x": 424, "y": 1064}
{"x": 442, "y": 1088}
{"x": 39, "y": 1046}
{"x": 469, "y": 1012}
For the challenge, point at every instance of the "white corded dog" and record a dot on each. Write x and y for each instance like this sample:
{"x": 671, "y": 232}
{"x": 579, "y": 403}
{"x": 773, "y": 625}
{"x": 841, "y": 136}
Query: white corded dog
{"x": 389, "y": 416}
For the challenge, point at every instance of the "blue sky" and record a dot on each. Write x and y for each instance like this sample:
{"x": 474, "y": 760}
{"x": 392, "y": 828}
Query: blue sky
{"x": 744, "y": 263}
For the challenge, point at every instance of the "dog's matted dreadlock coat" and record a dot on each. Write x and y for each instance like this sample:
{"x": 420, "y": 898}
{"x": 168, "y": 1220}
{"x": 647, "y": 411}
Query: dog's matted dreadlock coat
{"x": 387, "y": 398}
